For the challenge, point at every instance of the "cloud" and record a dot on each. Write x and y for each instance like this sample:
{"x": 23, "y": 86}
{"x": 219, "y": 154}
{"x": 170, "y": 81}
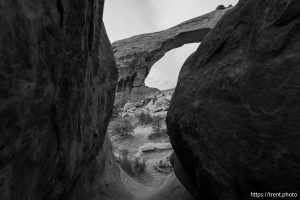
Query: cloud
{"x": 173, "y": 12}
{"x": 164, "y": 73}
{"x": 126, "y": 18}
{"x": 161, "y": 84}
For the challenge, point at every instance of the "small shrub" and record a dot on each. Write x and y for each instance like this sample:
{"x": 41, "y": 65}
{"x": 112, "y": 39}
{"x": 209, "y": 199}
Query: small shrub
{"x": 133, "y": 167}
{"x": 121, "y": 126}
{"x": 139, "y": 165}
{"x": 115, "y": 112}
{"x": 164, "y": 167}
{"x": 145, "y": 118}
{"x": 125, "y": 162}
{"x": 155, "y": 135}
{"x": 157, "y": 128}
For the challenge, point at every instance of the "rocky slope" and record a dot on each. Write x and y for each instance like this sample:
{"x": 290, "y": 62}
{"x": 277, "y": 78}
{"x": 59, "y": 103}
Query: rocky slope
{"x": 152, "y": 103}
{"x": 57, "y": 86}
{"x": 157, "y": 181}
{"x": 141, "y": 93}
{"x": 136, "y": 55}
{"x": 234, "y": 116}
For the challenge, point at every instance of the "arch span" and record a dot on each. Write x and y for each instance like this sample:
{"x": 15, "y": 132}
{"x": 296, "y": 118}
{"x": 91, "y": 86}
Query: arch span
{"x": 164, "y": 73}
{"x": 136, "y": 55}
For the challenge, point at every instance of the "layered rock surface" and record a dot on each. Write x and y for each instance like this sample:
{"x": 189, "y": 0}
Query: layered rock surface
{"x": 234, "y": 116}
{"x": 136, "y": 55}
{"x": 141, "y": 93}
{"x": 57, "y": 86}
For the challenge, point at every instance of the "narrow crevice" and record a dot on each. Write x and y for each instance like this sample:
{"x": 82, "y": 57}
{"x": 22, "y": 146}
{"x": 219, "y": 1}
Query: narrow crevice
{"x": 91, "y": 25}
{"x": 61, "y": 11}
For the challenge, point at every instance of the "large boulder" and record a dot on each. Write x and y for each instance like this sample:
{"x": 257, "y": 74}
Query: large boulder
{"x": 141, "y": 93}
{"x": 181, "y": 174}
{"x": 131, "y": 105}
{"x": 234, "y": 116}
{"x": 155, "y": 146}
{"x": 57, "y": 86}
{"x": 136, "y": 55}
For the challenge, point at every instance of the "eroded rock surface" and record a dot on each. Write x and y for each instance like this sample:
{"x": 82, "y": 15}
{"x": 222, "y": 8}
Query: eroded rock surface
{"x": 171, "y": 189}
{"x": 103, "y": 180}
{"x": 153, "y": 103}
{"x": 141, "y": 93}
{"x": 234, "y": 116}
{"x": 57, "y": 86}
{"x": 136, "y": 55}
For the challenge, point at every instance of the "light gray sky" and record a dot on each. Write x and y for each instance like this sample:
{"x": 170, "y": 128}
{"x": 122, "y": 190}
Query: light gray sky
{"x": 164, "y": 73}
{"x": 126, "y": 18}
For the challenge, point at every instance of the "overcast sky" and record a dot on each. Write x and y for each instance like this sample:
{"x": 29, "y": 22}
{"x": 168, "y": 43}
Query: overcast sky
{"x": 126, "y": 18}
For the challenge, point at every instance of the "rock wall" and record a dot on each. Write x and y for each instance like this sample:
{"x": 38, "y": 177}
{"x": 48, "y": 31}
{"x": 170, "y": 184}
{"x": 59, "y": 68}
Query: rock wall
{"x": 171, "y": 189}
{"x": 57, "y": 86}
{"x": 136, "y": 55}
{"x": 101, "y": 180}
{"x": 234, "y": 117}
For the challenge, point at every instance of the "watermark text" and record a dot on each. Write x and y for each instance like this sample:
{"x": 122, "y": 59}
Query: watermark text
{"x": 273, "y": 194}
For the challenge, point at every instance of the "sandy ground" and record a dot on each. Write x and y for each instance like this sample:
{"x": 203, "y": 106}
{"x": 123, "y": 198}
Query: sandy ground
{"x": 170, "y": 189}
{"x": 133, "y": 142}
{"x": 152, "y": 185}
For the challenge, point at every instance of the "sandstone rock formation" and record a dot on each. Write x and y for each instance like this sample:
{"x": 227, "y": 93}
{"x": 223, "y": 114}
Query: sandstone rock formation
{"x": 157, "y": 104}
{"x": 234, "y": 116}
{"x": 181, "y": 174}
{"x": 171, "y": 189}
{"x": 57, "y": 86}
{"x": 101, "y": 180}
{"x": 141, "y": 93}
{"x": 136, "y": 55}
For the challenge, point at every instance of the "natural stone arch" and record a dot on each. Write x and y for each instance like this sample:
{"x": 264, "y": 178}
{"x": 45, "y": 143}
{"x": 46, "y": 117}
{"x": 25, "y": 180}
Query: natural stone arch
{"x": 136, "y": 55}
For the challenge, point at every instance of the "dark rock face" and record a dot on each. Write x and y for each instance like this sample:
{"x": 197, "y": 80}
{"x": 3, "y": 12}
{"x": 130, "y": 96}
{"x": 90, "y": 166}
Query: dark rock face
{"x": 181, "y": 174}
{"x": 101, "y": 179}
{"x": 234, "y": 116}
{"x": 57, "y": 85}
{"x": 136, "y": 55}
{"x": 171, "y": 189}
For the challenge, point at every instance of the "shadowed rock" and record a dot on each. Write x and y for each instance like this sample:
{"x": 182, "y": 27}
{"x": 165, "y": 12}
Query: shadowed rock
{"x": 57, "y": 86}
{"x": 136, "y": 55}
{"x": 234, "y": 117}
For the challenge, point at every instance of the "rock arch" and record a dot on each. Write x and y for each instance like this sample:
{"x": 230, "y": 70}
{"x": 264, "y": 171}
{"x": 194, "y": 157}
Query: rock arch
{"x": 136, "y": 55}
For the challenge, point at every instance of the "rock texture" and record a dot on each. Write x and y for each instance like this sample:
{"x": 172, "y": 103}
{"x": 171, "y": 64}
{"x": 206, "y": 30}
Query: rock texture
{"x": 57, "y": 86}
{"x": 102, "y": 179}
{"x": 171, "y": 189}
{"x": 141, "y": 93}
{"x": 136, "y": 55}
{"x": 234, "y": 116}
{"x": 181, "y": 174}
{"x": 157, "y": 104}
